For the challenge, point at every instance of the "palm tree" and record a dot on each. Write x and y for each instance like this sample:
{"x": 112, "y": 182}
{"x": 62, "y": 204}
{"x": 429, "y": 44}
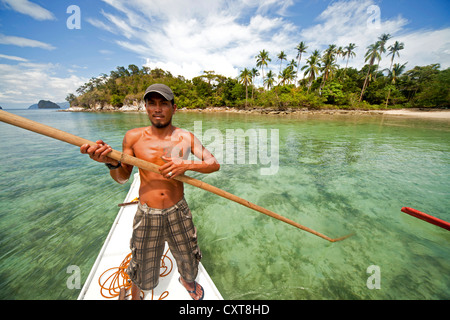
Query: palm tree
{"x": 254, "y": 74}
{"x": 312, "y": 67}
{"x": 371, "y": 55}
{"x": 328, "y": 64}
{"x": 301, "y": 48}
{"x": 331, "y": 51}
{"x": 382, "y": 39}
{"x": 261, "y": 60}
{"x": 394, "y": 49}
{"x": 292, "y": 64}
{"x": 393, "y": 74}
{"x": 348, "y": 52}
{"x": 340, "y": 52}
{"x": 246, "y": 79}
{"x": 282, "y": 56}
{"x": 287, "y": 75}
{"x": 270, "y": 80}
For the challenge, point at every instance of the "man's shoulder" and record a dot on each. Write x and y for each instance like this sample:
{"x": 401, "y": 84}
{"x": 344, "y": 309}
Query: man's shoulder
{"x": 133, "y": 135}
{"x": 183, "y": 132}
{"x": 135, "y": 131}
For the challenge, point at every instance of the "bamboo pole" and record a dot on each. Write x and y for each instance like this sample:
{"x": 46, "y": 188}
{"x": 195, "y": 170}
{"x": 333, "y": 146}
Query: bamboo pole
{"x": 54, "y": 133}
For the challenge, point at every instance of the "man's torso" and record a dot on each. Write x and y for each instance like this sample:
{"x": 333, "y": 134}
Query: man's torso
{"x": 155, "y": 190}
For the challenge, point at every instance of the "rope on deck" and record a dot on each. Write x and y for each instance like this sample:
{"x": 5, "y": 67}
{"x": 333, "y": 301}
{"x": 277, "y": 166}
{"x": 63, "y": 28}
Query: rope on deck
{"x": 118, "y": 278}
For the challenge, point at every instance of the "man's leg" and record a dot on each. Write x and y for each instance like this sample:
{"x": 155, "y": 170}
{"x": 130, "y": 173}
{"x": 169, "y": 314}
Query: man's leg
{"x": 182, "y": 239}
{"x": 135, "y": 292}
{"x": 147, "y": 246}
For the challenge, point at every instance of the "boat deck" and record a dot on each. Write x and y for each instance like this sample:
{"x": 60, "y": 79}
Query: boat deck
{"x": 116, "y": 248}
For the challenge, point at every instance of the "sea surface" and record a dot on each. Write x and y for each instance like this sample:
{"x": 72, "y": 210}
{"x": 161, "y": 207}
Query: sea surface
{"x": 334, "y": 174}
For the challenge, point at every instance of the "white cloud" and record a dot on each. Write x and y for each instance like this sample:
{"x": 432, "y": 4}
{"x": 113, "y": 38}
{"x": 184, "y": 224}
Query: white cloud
{"x": 226, "y": 35}
{"x": 24, "y": 42}
{"x": 101, "y": 25}
{"x": 265, "y": 6}
{"x": 26, "y": 83}
{"x": 4, "y": 56}
{"x": 106, "y": 52}
{"x": 345, "y": 22}
{"x": 187, "y": 39}
{"x": 29, "y": 8}
{"x": 425, "y": 47}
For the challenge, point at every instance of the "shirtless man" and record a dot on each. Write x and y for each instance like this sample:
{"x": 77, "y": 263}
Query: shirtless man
{"x": 162, "y": 212}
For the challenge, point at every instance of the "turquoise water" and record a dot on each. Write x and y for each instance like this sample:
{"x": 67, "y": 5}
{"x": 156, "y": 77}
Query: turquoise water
{"x": 336, "y": 175}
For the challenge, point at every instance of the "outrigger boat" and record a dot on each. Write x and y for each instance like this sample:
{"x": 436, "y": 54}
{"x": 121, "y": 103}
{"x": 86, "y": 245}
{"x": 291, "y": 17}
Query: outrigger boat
{"x": 103, "y": 281}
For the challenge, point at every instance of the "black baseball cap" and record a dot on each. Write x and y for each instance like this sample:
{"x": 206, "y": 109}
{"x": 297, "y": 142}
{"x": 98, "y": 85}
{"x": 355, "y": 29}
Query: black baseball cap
{"x": 162, "y": 89}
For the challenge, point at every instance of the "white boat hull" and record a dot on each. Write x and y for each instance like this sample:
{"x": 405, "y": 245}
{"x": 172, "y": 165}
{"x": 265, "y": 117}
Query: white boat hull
{"x": 116, "y": 248}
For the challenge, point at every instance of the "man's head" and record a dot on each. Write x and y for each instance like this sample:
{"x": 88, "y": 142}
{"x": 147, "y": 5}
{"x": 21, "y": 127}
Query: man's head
{"x": 162, "y": 89}
{"x": 160, "y": 104}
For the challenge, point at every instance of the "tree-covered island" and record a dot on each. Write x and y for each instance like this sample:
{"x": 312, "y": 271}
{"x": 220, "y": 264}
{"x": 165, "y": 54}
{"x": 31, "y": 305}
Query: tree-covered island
{"x": 322, "y": 81}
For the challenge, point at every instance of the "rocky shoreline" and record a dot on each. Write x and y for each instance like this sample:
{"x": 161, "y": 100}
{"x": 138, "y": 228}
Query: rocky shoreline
{"x": 422, "y": 113}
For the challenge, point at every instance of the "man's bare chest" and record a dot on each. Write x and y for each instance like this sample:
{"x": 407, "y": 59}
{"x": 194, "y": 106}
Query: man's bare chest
{"x": 153, "y": 149}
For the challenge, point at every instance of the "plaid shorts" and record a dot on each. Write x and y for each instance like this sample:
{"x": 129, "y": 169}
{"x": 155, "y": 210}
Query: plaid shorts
{"x": 151, "y": 228}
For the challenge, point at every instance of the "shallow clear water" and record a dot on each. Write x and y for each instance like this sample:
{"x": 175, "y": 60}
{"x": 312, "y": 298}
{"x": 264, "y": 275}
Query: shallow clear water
{"x": 336, "y": 175}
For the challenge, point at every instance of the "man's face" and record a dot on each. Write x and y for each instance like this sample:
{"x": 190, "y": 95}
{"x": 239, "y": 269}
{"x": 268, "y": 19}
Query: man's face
{"x": 159, "y": 110}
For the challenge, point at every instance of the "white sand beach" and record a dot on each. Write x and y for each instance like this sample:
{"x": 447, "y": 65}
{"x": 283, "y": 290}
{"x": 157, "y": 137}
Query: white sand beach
{"x": 431, "y": 114}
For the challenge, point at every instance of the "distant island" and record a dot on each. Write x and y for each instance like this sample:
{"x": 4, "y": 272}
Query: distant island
{"x": 46, "y": 104}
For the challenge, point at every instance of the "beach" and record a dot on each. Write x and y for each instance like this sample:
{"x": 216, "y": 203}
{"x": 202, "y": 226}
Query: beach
{"x": 442, "y": 114}
{"x": 420, "y": 113}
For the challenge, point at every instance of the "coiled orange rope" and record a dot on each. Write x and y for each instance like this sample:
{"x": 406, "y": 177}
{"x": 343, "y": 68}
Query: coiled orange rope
{"x": 110, "y": 288}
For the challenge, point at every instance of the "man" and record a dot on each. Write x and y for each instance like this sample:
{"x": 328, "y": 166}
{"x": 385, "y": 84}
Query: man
{"x": 162, "y": 213}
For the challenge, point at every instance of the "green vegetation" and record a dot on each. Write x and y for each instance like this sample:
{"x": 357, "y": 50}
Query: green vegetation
{"x": 320, "y": 83}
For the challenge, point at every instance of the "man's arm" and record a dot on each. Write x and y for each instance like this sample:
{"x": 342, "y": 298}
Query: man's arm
{"x": 178, "y": 167}
{"x": 100, "y": 153}
{"x": 123, "y": 173}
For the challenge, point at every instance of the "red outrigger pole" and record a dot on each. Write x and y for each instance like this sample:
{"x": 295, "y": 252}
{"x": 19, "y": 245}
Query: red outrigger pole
{"x": 426, "y": 217}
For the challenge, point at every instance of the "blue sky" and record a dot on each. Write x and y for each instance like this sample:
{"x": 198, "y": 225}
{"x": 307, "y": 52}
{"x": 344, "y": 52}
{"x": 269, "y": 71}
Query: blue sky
{"x": 41, "y": 58}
